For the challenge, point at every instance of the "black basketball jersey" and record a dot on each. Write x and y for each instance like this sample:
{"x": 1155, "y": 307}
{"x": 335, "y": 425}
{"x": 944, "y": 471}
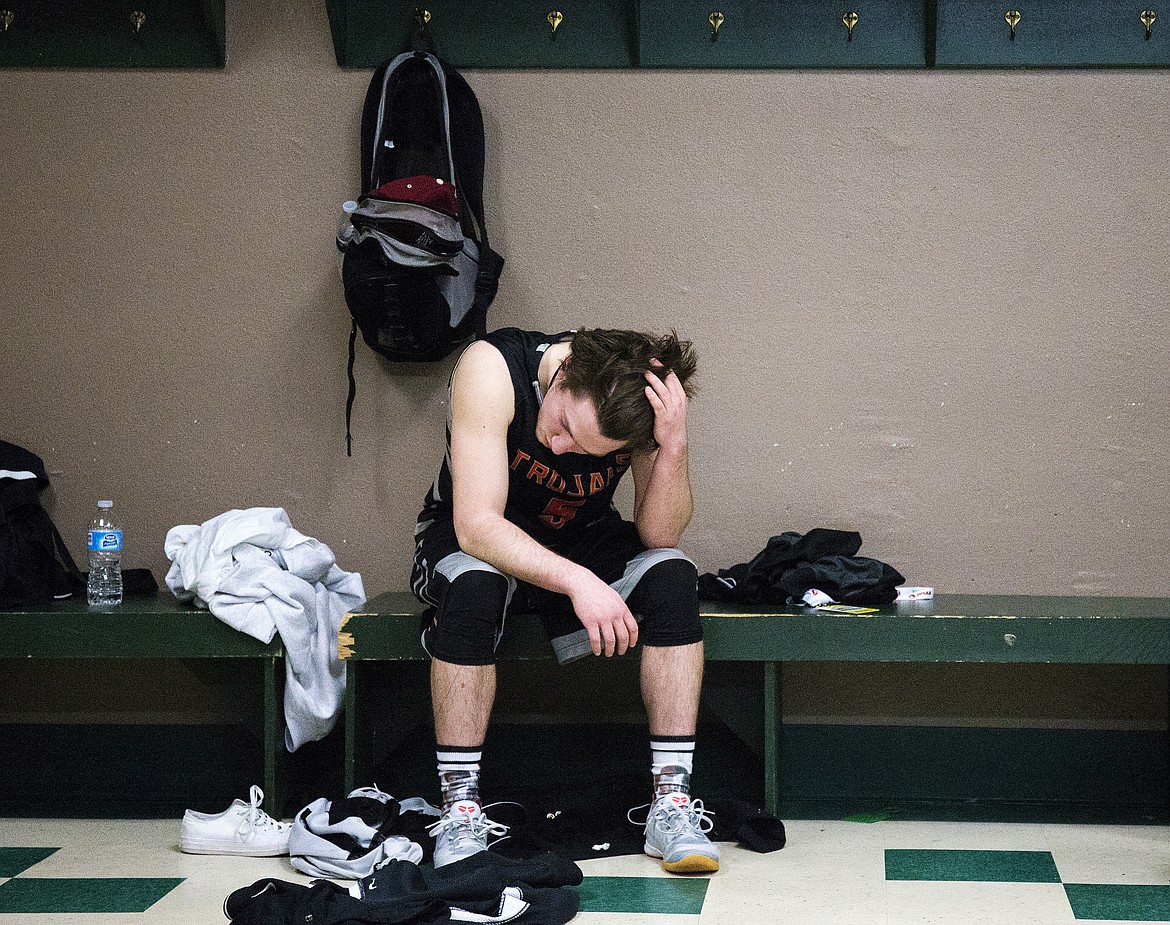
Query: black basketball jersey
{"x": 550, "y": 497}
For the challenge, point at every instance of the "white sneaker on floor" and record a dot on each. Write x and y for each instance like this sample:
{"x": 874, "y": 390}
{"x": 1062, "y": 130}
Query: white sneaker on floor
{"x": 243, "y": 829}
{"x": 676, "y": 832}
{"x": 462, "y": 831}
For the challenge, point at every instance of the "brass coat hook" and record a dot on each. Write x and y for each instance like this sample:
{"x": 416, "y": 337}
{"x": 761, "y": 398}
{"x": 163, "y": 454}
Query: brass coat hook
{"x": 422, "y": 17}
{"x": 850, "y": 20}
{"x": 7, "y": 17}
{"x": 1148, "y": 17}
{"x": 1013, "y": 20}
{"x": 555, "y": 18}
{"x": 716, "y": 20}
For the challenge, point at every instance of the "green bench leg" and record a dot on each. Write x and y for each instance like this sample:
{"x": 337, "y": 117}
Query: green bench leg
{"x": 351, "y": 726}
{"x": 745, "y": 696}
{"x": 273, "y": 736}
{"x": 772, "y": 722}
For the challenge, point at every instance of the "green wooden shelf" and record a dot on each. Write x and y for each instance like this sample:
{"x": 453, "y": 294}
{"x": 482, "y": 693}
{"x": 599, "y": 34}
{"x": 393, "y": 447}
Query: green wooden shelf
{"x": 814, "y": 34}
{"x": 128, "y": 34}
{"x": 618, "y": 34}
{"x": 487, "y": 33}
{"x": 1050, "y": 33}
{"x": 727, "y": 34}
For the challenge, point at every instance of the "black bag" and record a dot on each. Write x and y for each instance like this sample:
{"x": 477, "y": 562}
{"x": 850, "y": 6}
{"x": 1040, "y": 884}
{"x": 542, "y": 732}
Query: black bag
{"x": 35, "y": 566}
{"x": 418, "y": 271}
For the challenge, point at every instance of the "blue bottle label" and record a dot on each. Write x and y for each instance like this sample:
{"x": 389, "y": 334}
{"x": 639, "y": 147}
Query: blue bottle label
{"x": 105, "y": 540}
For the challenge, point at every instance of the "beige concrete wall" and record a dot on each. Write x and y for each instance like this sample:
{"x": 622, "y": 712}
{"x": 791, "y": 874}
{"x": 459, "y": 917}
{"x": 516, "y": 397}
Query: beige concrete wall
{"x": 930, "y": 307}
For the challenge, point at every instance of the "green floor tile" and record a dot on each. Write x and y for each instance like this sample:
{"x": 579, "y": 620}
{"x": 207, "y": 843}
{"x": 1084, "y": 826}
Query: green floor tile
{"x": 991, "y": 866}
{"x": 673, "y": 895}
{"x": 15, "y": 861}
{"x": 108, "y": 894}
{"x": 1119, "y": 902}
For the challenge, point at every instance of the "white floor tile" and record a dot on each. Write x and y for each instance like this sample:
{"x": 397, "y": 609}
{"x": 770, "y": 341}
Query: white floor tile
{"x": 831, "y": 873}
{"x": 969, "y": 836}
{"x": 1111, "y": 854}
{"x": 944, "y": 903}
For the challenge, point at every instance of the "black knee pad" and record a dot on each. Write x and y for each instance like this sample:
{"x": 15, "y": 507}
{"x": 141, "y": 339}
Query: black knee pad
{"x": 666, "y": 601}
{"x": 468, "y": 619}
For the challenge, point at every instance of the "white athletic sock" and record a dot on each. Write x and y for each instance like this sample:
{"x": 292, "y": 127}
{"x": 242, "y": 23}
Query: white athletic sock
{"x": 671, "y": 762}
{"x": 458, "y": 772}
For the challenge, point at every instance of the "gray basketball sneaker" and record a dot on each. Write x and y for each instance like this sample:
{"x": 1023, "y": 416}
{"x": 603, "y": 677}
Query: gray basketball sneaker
{"x": 676, "y": 831}
{"x": 462, "y": 831}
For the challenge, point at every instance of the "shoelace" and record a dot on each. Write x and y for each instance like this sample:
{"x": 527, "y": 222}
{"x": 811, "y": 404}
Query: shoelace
{"x": 372, "y": 792}
{"x": 255, "y": 817}
{"x": 675, "y": 819}
{"x": 463, "y": 826}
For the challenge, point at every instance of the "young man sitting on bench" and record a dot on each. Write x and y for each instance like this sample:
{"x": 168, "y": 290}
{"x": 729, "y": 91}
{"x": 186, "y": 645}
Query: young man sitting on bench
{"x": 540, "y": 430}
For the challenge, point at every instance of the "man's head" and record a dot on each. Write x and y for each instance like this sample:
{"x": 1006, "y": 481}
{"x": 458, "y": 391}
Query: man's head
{"x": 609, "y": 369}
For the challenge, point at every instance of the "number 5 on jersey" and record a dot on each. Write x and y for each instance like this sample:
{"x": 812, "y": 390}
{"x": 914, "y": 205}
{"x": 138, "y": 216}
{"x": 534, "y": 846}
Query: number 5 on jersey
{"x": 559, "y": 512}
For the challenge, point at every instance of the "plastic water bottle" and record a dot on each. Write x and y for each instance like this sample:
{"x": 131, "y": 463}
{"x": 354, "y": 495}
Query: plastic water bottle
{"x": 105, "y": 558}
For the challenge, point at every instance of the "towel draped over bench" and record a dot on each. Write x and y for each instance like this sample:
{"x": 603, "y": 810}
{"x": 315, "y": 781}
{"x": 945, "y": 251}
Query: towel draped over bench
{"x": 258, "y": 574}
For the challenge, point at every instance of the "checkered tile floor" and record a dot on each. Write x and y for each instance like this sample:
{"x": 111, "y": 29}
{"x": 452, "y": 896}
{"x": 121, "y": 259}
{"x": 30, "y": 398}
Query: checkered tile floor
{"x": 126, "y": 872}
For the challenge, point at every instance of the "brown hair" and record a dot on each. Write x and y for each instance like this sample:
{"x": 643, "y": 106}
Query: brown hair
{"x": 609, "y": 367}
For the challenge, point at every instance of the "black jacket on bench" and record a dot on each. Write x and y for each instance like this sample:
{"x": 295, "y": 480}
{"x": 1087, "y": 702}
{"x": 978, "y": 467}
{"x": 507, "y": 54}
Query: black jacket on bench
{"x": 791, "y": 564}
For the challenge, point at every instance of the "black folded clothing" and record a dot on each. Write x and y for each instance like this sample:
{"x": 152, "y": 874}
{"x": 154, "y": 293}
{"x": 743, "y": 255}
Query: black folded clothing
{"x": 791, "y": 564}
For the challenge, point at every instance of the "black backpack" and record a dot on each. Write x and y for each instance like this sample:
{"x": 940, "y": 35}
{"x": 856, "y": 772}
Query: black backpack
{"x": 418, "y": 271}
{"x": 35, "y": 566}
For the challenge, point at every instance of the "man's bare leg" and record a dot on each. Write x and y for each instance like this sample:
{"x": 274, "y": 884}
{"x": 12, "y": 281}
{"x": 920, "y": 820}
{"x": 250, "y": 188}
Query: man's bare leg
{"x": 462, "y": 698}
{"x": 671, "y": 679}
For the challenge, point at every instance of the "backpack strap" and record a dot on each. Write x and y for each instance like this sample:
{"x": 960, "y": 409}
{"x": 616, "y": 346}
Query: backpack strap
{"x": 487, "y": 281}
{"x": 352, "y": 389}
{"x": 467, "y": 151}
{"x": 423, "y": 39}
{"x": 70, "y": 579}
{"x": 372, "y": 177}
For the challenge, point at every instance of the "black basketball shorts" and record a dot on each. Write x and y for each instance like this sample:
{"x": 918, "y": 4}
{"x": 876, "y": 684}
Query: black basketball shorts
{"x": 660, "y": 586}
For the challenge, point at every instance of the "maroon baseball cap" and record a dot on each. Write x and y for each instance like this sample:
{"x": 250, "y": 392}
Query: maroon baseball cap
{"x": 422, "y": 190}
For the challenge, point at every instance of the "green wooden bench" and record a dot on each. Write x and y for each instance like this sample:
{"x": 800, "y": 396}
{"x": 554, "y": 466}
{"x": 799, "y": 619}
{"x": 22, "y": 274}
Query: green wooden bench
{"x": 155, "y": 628}
{"x": 746, "y": 648}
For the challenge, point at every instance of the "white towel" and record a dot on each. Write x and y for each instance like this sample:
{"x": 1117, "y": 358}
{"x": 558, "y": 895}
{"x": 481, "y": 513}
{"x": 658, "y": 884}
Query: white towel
{"x": 258, "y": 574}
